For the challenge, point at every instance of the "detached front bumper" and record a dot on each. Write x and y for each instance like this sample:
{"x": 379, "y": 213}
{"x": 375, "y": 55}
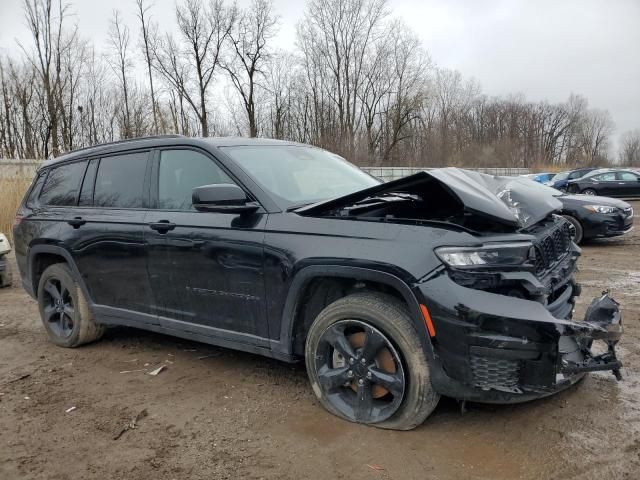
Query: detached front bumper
{"x": 499, "y": 349}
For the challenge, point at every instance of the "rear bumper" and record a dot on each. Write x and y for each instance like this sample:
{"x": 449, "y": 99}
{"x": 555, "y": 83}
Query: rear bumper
{"x": 498, "y": 349}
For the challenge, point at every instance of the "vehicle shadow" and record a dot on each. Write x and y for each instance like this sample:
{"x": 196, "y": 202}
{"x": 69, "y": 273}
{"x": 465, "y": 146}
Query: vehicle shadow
{"x": 288, "y": 377}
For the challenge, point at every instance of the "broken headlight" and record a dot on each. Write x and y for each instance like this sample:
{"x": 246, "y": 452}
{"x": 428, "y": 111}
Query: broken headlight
{"x": 488, "y": 255}
{"x": 600, "y": 208}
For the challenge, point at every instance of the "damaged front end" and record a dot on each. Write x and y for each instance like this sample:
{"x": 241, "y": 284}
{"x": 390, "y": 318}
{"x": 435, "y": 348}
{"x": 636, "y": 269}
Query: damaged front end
{"x": 503, "y": 295}
{"x": 603, "y": 323}
{"x": 495, "y": 348}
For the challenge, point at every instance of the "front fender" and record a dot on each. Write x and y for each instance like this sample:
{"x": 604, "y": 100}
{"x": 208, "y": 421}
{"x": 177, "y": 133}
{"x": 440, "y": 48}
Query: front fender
{"x": 307, "y": 274}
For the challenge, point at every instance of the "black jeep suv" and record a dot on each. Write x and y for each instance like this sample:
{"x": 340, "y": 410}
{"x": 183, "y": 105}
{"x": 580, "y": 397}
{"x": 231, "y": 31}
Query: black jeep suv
{"x": 442, "y": 283}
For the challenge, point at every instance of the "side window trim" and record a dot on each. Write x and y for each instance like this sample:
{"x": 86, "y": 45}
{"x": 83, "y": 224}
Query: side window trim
{"x": 155, "y": 176}
{"x": 94, "y": 172}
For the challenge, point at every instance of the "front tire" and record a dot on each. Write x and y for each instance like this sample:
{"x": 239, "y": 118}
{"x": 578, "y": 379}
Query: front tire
{"x": 64, "y": 310}
{"x": 366, "y": 364}
{"x": 577, "y": 228}
{"x": 589, "y": 191}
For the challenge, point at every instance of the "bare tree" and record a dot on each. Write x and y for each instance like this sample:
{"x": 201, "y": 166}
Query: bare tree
{"x": 248, "y": 40}
{"x": 335, "y": 37}
{"x": 630, "y": 148}
{"x": 189, "y": 67}
{"x": 595, "y": 130}
{"x": 47, "y": 34}
{"x": 149, "y": 38}
{"x": 121, "y": 63}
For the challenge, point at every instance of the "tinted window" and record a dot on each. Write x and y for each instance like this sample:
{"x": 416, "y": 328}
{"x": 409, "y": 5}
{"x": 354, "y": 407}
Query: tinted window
{"x": 120, "y": 181}
{"x": 86, "y": 192}
{"x": 62, "y": 184}
{"x": 605, "y": 177}
{"x": 627, "y": 176}
{"x": 35, "y": 191}
{"x": 180, "y": 172}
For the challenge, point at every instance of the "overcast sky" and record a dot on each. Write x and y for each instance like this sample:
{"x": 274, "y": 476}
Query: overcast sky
{"x": 544, "y": 49}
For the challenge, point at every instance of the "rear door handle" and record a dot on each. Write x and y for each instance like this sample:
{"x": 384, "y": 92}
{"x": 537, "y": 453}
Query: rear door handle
{"x": 163, "y": 226}
{"x": 76, "y": 222}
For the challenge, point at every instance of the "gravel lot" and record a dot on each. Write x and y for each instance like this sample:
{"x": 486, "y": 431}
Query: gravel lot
{"x": 214, "y": 413}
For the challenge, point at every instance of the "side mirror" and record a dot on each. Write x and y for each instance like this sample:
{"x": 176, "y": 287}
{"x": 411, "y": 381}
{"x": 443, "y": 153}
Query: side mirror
{"x": 222, "y": 198}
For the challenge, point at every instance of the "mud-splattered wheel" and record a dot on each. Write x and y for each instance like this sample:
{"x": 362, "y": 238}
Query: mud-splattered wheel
{"x": 367, "y": 365}
{"x": 64, "y": 311}
{"x": 360, "y": 371}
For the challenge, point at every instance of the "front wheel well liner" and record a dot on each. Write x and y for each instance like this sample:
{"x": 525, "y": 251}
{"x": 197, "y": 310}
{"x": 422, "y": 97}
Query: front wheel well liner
{"x": 319, "y": 292}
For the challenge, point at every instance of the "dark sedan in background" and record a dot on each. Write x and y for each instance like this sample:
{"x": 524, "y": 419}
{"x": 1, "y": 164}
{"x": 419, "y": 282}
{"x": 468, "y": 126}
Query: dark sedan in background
{"x": 560, "y": 180}
{"x": 607, "y": 182}
{"x": 593, "y": 216}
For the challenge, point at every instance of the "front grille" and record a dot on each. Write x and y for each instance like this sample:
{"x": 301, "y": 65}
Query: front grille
{"x": 495, "y": 373}
{"x": 552, "y": 246}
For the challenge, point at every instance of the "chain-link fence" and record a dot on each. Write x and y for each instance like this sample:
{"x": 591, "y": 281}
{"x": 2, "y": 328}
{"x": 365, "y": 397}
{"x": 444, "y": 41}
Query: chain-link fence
{"x": 393, "y": 173}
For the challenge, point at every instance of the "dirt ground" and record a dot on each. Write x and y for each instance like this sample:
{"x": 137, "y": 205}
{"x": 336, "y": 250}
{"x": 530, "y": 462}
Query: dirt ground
{"x": 214, "y": 413}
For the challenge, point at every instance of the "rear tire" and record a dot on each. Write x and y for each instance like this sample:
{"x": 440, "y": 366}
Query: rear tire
{"x": 64, "y": 310}
{"x": 579, "y": 231}
{"x": 589, "y": 191}
{"x": 386, "y": 318}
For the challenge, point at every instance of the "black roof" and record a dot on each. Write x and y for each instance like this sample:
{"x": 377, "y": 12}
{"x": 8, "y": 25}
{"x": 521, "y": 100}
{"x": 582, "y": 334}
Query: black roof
{"x": 163, "y": 140}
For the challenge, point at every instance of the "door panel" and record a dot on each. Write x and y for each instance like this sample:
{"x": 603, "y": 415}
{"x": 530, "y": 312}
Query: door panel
{"x": 605, "y": 184}
{"x": 208, "y": 270}
{"x": 112, "y": 257}
{"x": 629, "y": 184}
{"x": 106, "y": 233}
{"x": 205, "y": 268}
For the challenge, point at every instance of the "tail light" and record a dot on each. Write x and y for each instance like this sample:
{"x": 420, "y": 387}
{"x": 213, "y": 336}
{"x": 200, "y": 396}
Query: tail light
{"x": 16, "y": 221}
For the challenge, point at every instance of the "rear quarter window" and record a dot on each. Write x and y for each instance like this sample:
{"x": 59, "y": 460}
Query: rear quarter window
{"x": 32, "y": 199}
{"x": 62, "y": 185}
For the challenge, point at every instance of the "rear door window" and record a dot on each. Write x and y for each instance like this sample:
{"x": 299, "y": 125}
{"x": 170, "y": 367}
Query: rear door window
{"x": 605, "y": 177}
{"x": 627, "y": 176}
{"x": 120, "y": 181}
{"x": 62, "y": 185}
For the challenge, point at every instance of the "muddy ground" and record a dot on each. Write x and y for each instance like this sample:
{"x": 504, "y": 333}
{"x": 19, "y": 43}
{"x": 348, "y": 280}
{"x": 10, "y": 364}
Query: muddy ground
{"x": 214, "y": 413}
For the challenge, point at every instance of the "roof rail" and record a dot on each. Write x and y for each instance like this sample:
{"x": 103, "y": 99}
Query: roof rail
{"x": 124, "y": 140}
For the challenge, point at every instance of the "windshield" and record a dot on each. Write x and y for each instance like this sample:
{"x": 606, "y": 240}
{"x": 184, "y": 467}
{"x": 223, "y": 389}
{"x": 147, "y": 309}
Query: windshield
{"x": 299, "y": 175}
{"x": 561, "y": 176}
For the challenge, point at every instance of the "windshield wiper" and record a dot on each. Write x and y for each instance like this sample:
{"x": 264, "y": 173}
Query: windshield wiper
{"x": 295, "y": 207}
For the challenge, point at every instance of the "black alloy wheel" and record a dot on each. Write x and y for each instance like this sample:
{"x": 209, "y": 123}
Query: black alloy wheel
{"x": 59, "y": 311}
{"x": 360, "y": 371}
{"x": 64, "y": 310}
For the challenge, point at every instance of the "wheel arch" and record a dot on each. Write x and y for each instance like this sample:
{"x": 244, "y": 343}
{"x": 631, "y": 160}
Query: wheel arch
{"x": 42, "y": 256}
{"x": 295, "y": 321}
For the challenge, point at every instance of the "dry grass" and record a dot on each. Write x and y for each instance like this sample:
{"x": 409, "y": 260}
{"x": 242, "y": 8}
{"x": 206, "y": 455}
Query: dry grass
{"x": 11, "y": 193}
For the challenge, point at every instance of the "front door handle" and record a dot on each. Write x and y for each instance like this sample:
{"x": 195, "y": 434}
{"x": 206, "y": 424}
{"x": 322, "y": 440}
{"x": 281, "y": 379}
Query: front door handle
{"x": 76, "y": 222}
{"x": 163, "y": 226}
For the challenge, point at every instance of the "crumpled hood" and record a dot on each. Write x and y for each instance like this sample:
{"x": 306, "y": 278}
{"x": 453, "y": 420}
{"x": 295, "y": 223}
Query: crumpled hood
{"x": 514, "y": 201}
